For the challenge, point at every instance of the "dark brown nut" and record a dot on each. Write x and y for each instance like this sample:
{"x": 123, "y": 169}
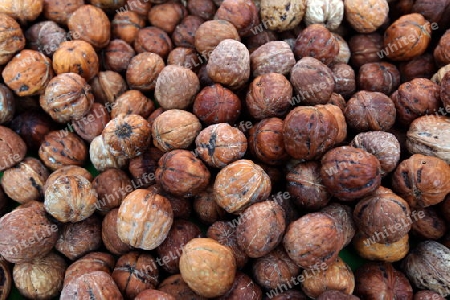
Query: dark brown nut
{"x": 180, "y": 173}
{"x": 12, "y": 38}
{"x": 62, "y": 148}
{"x": 126, "y": 25}
{"x": 344, "y": 78}
{"x": 144, "y": 219}
{"x": 220, "y": 144}
{"x": 112, "y": 186}
{"x": 107, "y": 86}
{"x": 437, "y": 11}
{"x": 90, "y": 24}
{"x": 32, "y": 127}
{"x": 25, "y": 182}
{"x": 313, "y": 239}
{"x": 60, "y": 11}
{"x": 312, "y": 81}
{"x": 204, "y": 78}
{"x": 422, "y": 180}
{"x": 170, "y": 250}
{"x": 97, "y": 284}
{"x": 45, "y": 37}
{"x": 141, "y": 7}
{"x": 70, "y": 198}
{"x": 110, "y": 237}
{"x": 229, "y": 64}
{"x": 41, "y": 278}
{"x": 416, "y": 98}
{"x": 318, "y": 42}
{"x": 370, "y": 111}
{"x": 429, "y": 224}
{"x": 94, "y": 261}
{"x": 344, "y": 54}
{"x": 427, "y": 295}
{"x": 368, "y": 248}
{"x": 272, "y": 57}
{"x": 154, "y": 40}
{"x": 68, "y": 170}
{"x": 304, "y": 185}
{"x": 117, "y": 55}
{"x": 376, "y": 281}
{"x": 144, "y": 165}
{"x": 422, "y": 66}
{"x": 12, "y": 148}
{"x": 243, "y": 14}
{"x": 135, "y": 272}
{"x": 28, "y": 73}
{"x": 406, "y": 38}
{"x": 383, "y": 145}
{"x": 93, "y": 123}
{"x": 274, "y": 269}
{"x": 336, "y": 276}
{"x": 132, "y": 102}
{"x": 426, "y": 136}
{"x": 204, "y": 9}
{"x": 184, "y": 33}
{"x": 343, "y": 216}
{"x": 365, "y": 48}
{"x": 167, "y": 16}
{"x": 127, "y": 135}
{"x": 27, "y": 233}
{"x": 185, "y": 57}
{"x": 6, "y": 279}
{"x": 181, "y": 207}
{"x": 445, "y": 208}
{"x": 143, "y": 71}
{"x": 24, "y": 11}
{"x": 76, "y": 57}
{"x": 4, "y": 204}
{"x": 366, "y": 16}
{"x": 206, "y": 208}
{"x": 243, "y": 288}
{"x": 266, "y": 141}
{"x": 309, "y": 131}
{"x": 8, "y": 103}
{"x": 339, "y": 168}
{"x": 175, "y": 129}
{"x": 340, "y": 118}
{"x": 208, "y": 267}
{"x": 291, "y": 295}
{"x": 282, "y": 15}
{"x": 241, "y": 184}
{"x": 441, "y": 51}
{"x": 154, "y": 294}
{"x": 210, "y": 33}
{"x": 427, "y": 267}
{"x": 381, "y": 211}
{"x": 339, "y": 101}
{"x": 257, "y": 40}
{"x": 445, "y": 92}
{"x": 77, "y": 239}
{"x": 216, "y": 104}
{"x": 176, "y": 87}
{"x": 328, "y": 13}
{"x": 225, "y": 233}
{"x": 336, "y": 295}
{"x": 108, "y": 5}
{"x": 102, "y": 158}
{"x": 380, "y": 77}
{"x": 178, "y": 288}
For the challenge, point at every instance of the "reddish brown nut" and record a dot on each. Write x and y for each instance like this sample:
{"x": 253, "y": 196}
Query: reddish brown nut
{"x": 175, "y": 129}
{"x": 101, "y": 157}
{"x": 167, "y": 16}
{"x": 343, "y": 216}
{"x": 422, "y": 66}
{"x": 26, "y": 181}
{"x": 107, "y": 86}
{"x": 291, "y": 295}
{"x": 243, "y": 288}
{"x": 12, "y": 148}
{"x": 176, "y": 87}
{"x": 427, "y": 295}
{"x": 97, "y": 284}
{"x": 272, "y": 57}
{"x": 76, "y": 57}
{"x": 216, "y": 104}
{"x": 141, "y": 7}
{"x": 154, "y": 40}
{"x": 90, "y": 24}
{"x": 416, "y": 98}
{"x": 126, "y": 25}
{"x": 108, "y": 5}
{"x": 154, "y": 294}
{"x": 178, "y": 288}
{"x": 185, "y": 57}
{"x": 304, "y": 184}
{"x": 380, "y": 77}
{"x": 339, "y": 168}
{"x": 445, "y": 92}
{"x": 381, "y": 281}
{"x": 441, "y": 52}
{"x": 366, "y": 16}
{"x": 27, "y": 233}
{"x": 45, "y": 37}
{"x": 344, "y": 54}
{"x": 253, "y": 42}
{"x": 144, "y": 219}
{"x": 112, "y": 186}
{"x": 204, "y": 9}
{"x": 336, "y": 295}
{"x": 110, "y": 237}
{"x": 422, "y": 180}
{"x": 8, "y": 102}
{"x": 184, "y": 33}
{"x": 132, "y": 102}
{"x": 12, "y": 40}
{"x": 32, "y": 126}
{"x": 135, "y": 272}
{"x": 365, "y": 48}
{"x": 314, "y": 239}
{"x": 206, "y": 208}
{"x": 243, "y": 14}
{"x": 182, "y": 207}
{"x": 143, "y": 71}
{"x": 282, "y": 15}
{"x": 117, "y": 55}
{"x": 24, "y": 11}
{"x": 338, "y": 100}
{"x": 68, "y": 170}
{"x": 180, "y": 173}
{"x": 312, "y": 81}
{"x": 93, "y": 123}
{"x": 77, "y": 239}
{"x": 170, "y": 250}
{"x": 428, "y": 224}
{"x": 344, "y": 78}
{"x": 142, "y": 168}
{"x": 60, "y": 11}
{"x": 94, "y": 261}
{"x": 208, "y": 267}
{"x": 370, "y": 111}
{"x": 211, "y": 33}
{"x": 437, "y": 11}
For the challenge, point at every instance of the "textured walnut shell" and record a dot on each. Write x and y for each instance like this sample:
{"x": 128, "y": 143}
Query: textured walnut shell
{"x": 12, "y": 148}
{"x": 427, "y": 295}
{"x": 336, "y": 295}
{"x": 208, "y": 267}
{"x": 94, "y": 261}
{"x": 97, "y": 285}
{"x": 152, "y": 39}
{"x": 110, "y": 236}
{"x": 144, "y": 219}
{"x": 60, "y": 11}
{"x": 366, "y": 16}
{"x": 243, "y": 14}
{"x": 126, "y": 25}
{"x": 290, "y": 295}
{"x": 427, "y": 267}
{"x": 243, "y": 288}
{"x": 6, "y": 279}
{"x": 344, "y": 78}
{"x": 282, "y": 15}
{"x": 143, "y": 166}
{"x": 27, "y": 233}
{"x": 68, "y": 170}
{"x": 107, "y": 86}
{"x": 206, "y": 208}
{"x": 313, "y": 239}
{"x": 102, "y": 158}
{"x": 23, "y": 11}
{"x": 318, "y": 42}
{"x": 440, "y": 53}
{"x": 178, "y": 288}
{"x": 365, "y": 48}
{"x": 380, "y": 77}
{"x": 117, "y": 55}
{"x": 344, "y": 218}
{"x": 429, "y": 224}
{"x": 45, "y": 37}
{"x": 377, "y": 281}
{"x": 211, "y": 33}
{"x": 422, "y": 180}
{"x": 368, "y": 248}
{"x": 143, "y": 71}
{"x": 8, "y": 102}
{"x": 204, "y": 9}
{"x": 112, "y": 186}
{"x": 132, "y": 102}
{"x": 272, "y": 57}
{"x": 11, "y": 40}
{"x": 445, "y": 92}
{"x": 93, "y": 123}
{"x": 185, "y": 33}
{"x": 32, "y": 126}
{"x": 154, "y": 294}
{"x": 167, "y": 16}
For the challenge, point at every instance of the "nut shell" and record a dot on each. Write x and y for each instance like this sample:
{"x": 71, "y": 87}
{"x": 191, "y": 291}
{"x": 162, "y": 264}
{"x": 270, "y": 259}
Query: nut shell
{"x": 94, "y": 261}
{"x": 272, "y": 57}
{"x": 282, "y": 15}
{"x": 366, "y": 16}
{"x": 12, "y": 40}
{"x": 97, "y": 284}
{"x": 12, "y": 148}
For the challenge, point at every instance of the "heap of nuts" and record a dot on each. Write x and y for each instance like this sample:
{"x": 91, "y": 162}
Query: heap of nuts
{"x": 225, "y": 149}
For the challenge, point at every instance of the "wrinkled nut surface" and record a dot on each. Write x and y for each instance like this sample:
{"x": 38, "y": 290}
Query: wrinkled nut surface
{"x": 12, "y": 148}
{"x": 5, "y": 279}
{"x": 282, "y": 15}
{"x": 318, "y": 42}
{"x": 366, "y": 16}
{"x": 13, "y": 39}
{"x": 368, "y": 248}
{"x": 272, "y": 57}
{"x": 94, "y": 261}
{"x": 102, "y": 158}
{"x": 97, "y": 284}
{"x": 343, "y": 216}
{"x": 327, "y": 12}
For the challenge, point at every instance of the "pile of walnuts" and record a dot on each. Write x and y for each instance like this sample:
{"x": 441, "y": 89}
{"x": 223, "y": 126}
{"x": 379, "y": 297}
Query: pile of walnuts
{"x": 225, "y": 149}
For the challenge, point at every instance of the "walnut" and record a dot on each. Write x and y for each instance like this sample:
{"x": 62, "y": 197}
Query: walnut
{"x": 206, "y": 208}
{"x": 336, "y": 295}
{"x": 366, "y": 16}
{"x": 32, "y": 126}
{"x": 272, "y": 57}
{"x": 45, "y": 37}
{"x": 132, "y": 102}
{"x": 435, "y": 12}
{"x": 242, "y": 14}
{"x": 107, "y": 86}
{"x": 380, "y": 77}
{"x": 327, "y": 12}
{"x": 93, "y": 123}
{"x": 178, "y": 288}
{"x": 68, "y": 170}
{"x": 282, "y": 15}
{"x": 108, "y": 5}
{"x": 255, "y": 41}
{"x": 210, "y": 33}
{"x": 8, "y": 102}
{"x": 437, "y": 77}
{"x": 143, "y": 71}
{"x": 24, "y": 11}
{"x": 141, "y": 7}
{"x": 152, "y": 39}
{"x": 316, "y": 41}
{"x": 111, "y": 186}
{"x": 339, "y": 101}
{"x": 291, "y": 295}
{"x": 445, "y": 92}
{"x": 60, "y": 11}
{"x": 182, "y": 207}
{"x": 12, "y": 146}
{"x": 365, "y": 48}
{"x": 185, "y": 32}
{"x": 126, "y": 25}
{"x": 440, "y": 53}
{"x": 102, "y": 158}
{"x": 344, "y": 50}
{"x": 97, "y": 284}
{"x": 154, "y": 294}
{"x": 110, "y": 236}
{"x": 429, "y": 224}
{"x": 422, "y": 66}
{"x": 243, "y": 288}
{"x": 204, "y": 9}
{"x": 117, "y": 55}
{"x": 11, "y": 40}
{"x": 185, "y": 57}
{"x": 369, "y": 248}
{"x": 427, "y": 295}
{"x": 344, "y": 78}
{"x": 167, "y": 16}
{"x": 6, "y": 284}
{"x": 143, "y": 166}
{"x": 344, "y": 218}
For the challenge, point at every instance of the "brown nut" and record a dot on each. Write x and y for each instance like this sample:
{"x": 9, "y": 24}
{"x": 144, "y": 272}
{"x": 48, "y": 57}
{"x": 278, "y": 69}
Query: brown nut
{"x": 184, "y": 33}
{"x": 143, "y": 71}
{"x": 154, "y": 294}
{"x": 68, "y": 170}
{"x": 343, "y": 216}
{"x": 440, "y": 53}
{"x": 110, "y": 236}
{"x": 167, "y": 16}
{"x": 132, "y": 102}
{"x": 206, "y": 208}
{"x": 6, "y": 279}
{"x": 344, "y": 78}
{"x": 242, "y": 14}
{"x": 112, "y": 186}
{"x": 143, "y": 167}
{"x": 60, "y": 11}
{"x": 368, "y": 248}
{"x": 11, "y": 40}
{"x": 8, "y": 102}
{"x": 154, "y": 40}
{"x": 102, "y": 158}
{"x": 117, "y": 55}
{"x": 282, "y": 15}
{"x": 336, "y": 295}
{"x": 318, "y": 42}
{"x": 93, "y": 123}
{"x": 94, "y": 261}
{"x": 243, "y": 288}
{"x": 97, "y": 284}
{"x": 182, "y": 207}
{"x": 291, "y": 295}
{"x": 24, "y": 11}
{"x": 210, "y": 33}
{"x": 12, "y": 148}
{"x": 422, "y": 66}
{"x": 429, "y": 224}
{"x": 107, "y": 86}
{"x": 175, "y": 285}
{"x": 45, "y": 37}
{"x": 366, "y": 16}
{"x": 32, "y": 126}
{"x": 380, "y": 77}
{"x": 365, "y": 48}
{"x": 445, "y": 93}
{"x": 272, "y": 57}
{"x": 126, "y": 25}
